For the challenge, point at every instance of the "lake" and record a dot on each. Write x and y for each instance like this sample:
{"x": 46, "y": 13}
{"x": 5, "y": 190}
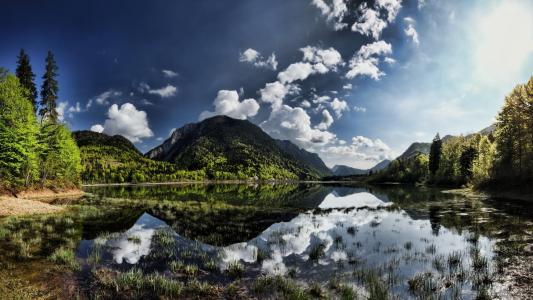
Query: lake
{"x": 377, "y": 242}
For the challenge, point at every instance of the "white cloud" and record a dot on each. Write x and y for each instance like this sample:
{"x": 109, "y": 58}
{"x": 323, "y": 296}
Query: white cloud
{"x": 227, "y": 103}
{"x": 339, "y": 106}
{"x": 327, "y": 120}
{"x": 365, "y": 64}
{"x": 294, "y": 124}
{"x": 305, "y": 104}
{"x": 334, "y": 11}
{"x": 254, "y": 57}
{"x": 75, "y": 109}
{"x": 375, "y": 48}
{"x": 169, "y": 73}
{"x": 275, "y": 92}
{"x": 389, "y": 60}
{"x": 315, "y": 60}
{"x": 329, "y": 58}
{"x": 410, "y": 31}
{"x": 391, "y": 6}
{"x": 97, "y": 128}
{"x": 126, "y": 121}
{"x": 421, "y": 4}
{"x": 143, "y": 87}
{"x": 60, "y": 109}
{"x": 347, "y": 86}
{"x": 296, "y": 71}
{"x": 359, "y": 109}
{"x": 369, "y": 23}
{"x": 103, "y": 98}
{"x": 164, "y": 92}
{"x": 363, "y": 152}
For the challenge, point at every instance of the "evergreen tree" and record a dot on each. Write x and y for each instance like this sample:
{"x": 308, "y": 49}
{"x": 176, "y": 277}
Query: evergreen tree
{"x": 26, "y": 77}
{"x": 466, "y": 160}
{"x": 435, "y": 154}
{"x": 49, "y": 90}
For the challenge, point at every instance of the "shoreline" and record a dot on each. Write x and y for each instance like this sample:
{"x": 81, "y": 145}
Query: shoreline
{"x": 210, "y": 182}
{"x": 35, "y": 202}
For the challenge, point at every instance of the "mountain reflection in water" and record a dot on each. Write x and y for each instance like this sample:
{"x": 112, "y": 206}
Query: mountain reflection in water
{"x": 351, "y": 229}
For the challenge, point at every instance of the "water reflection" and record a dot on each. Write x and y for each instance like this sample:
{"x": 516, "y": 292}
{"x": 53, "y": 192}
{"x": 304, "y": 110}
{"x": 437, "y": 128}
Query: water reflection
{"x": 350, "y": 233}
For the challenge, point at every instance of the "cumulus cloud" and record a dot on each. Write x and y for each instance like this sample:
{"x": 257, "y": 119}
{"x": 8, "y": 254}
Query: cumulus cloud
{"x": 327, "y": 120}
{"x": 363, "y": 151}
{"x": 364, "y": 63}
{"x": 275, "y": 92}
{"x": 97, "y": 128}
{"x": 126, "y": 121}
{"x": 329, "y": 58}
{"x": 294, "y": 124}
{"x": 227, "y": 103}
{"x": 339, "y": 106}
{"x": 333, "y": 10}
{"x": 347, "y": 86}
{"x": 164, "y": 92}
{"x": 296, "y": 71}
{"x": 255, "y": 58}
{"x": 392, "y": 7}
{"x": 315, "y": 60}
{"x": 169, "y": 73}
{"x": 369, "y": 23}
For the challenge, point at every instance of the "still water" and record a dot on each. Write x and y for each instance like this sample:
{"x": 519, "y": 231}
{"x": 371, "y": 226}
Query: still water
{"x": 412, "y": 242}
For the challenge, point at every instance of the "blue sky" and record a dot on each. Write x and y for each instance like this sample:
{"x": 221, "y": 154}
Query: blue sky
{"x": 354, "y": 81}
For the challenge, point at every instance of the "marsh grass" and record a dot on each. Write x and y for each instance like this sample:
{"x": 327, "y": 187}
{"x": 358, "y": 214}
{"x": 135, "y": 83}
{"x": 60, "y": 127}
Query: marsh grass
{"x": 235, "y": 269}
{"x": 317, "y": 251}
{"x": 65, "y": 257}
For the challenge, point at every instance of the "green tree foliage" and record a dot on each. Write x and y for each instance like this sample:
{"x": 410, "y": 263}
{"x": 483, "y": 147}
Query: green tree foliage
{"x": 59, "y": 156}
{"x": 514, "y": 135}
{"x": 49, "y": 89}
{"x": 434, "y": 155}
{"x": 26, "y": 77}
{"x": 18, "y": 131}
{"x": 483, "y": 163}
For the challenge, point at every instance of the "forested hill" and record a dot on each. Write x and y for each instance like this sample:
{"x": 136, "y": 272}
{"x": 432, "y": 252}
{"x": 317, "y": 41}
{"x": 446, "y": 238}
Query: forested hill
{"x": 114, "y": 159}
{"x": 90, "y": 138}
{"x": 221, "y": 145}
{"x": 498, "y": 157}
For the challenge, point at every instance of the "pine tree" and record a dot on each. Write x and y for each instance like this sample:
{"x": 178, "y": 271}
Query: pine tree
{"x": 49, "y": 90}
{"x": 434, "y": 154}
{"x": 26, "y": 77}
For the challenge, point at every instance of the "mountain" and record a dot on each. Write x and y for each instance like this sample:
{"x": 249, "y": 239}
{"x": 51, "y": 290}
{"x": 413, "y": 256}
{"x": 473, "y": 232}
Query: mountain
{"x": 381, "y": 165}
{"x": 415, "y": 148}
{"x": 114, "y": 159}
{"x": 304, "y": 157}
{"x": 223, "y": 146}
{"x": 341, "y": 170}
{"x": 488, "y": 130}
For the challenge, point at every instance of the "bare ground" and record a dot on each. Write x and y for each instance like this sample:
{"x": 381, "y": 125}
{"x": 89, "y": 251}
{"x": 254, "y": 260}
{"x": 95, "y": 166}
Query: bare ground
{"x": 34, "y": 202}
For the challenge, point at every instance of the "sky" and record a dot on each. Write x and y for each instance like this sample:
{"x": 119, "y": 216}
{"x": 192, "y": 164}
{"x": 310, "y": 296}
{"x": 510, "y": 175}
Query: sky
{"x": 354, "y": 81}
